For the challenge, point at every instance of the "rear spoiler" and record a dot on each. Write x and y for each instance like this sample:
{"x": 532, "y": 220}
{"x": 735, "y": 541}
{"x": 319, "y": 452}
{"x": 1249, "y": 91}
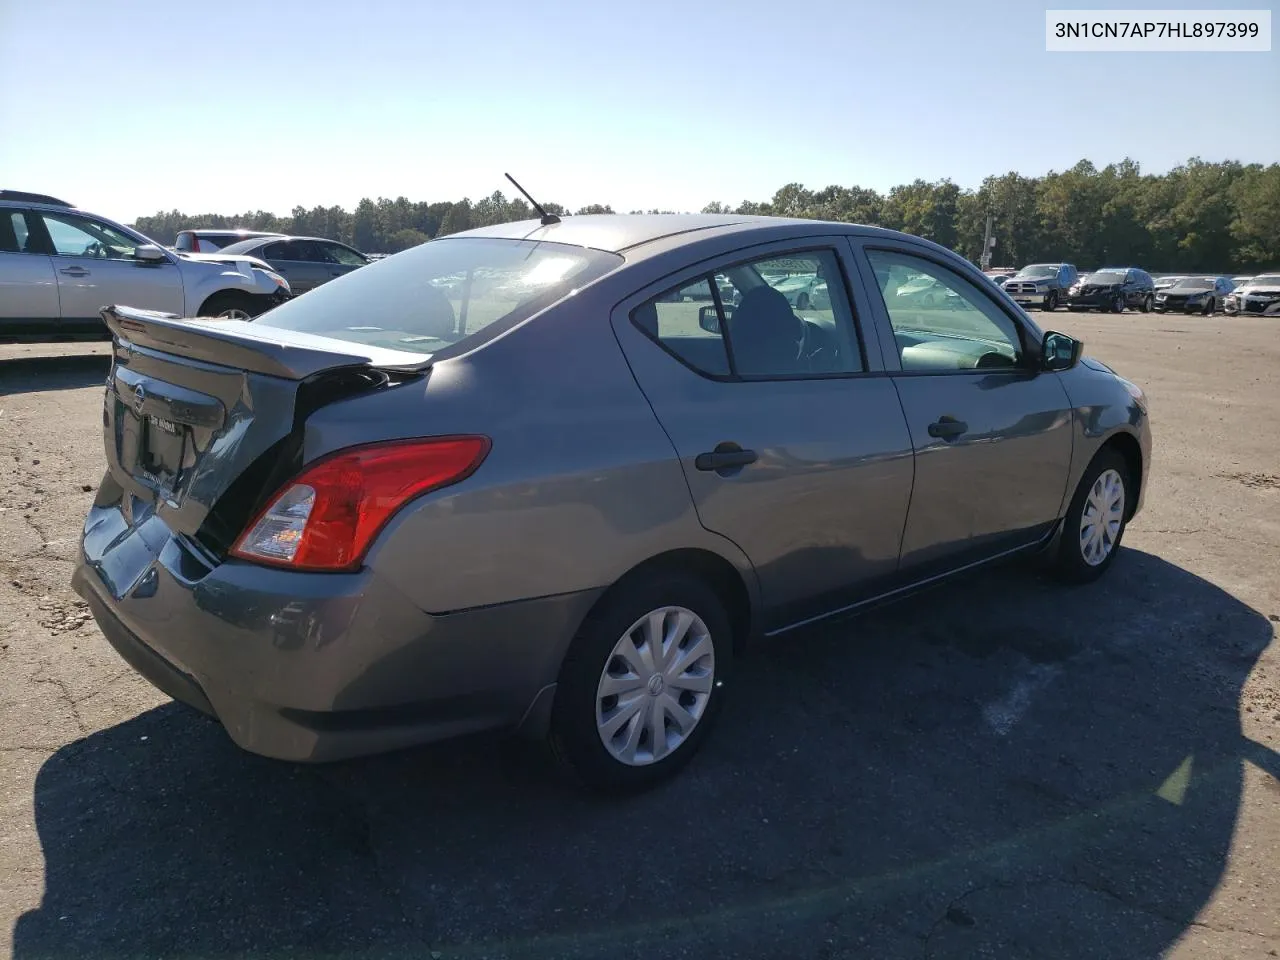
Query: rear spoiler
{"x": 255, "y": 347}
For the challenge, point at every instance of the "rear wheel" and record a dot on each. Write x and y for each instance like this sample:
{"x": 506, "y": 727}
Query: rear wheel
{"x": 642, "y": 684}
{"x": 1095, "y": 521}
{"x": 230, "y": 305}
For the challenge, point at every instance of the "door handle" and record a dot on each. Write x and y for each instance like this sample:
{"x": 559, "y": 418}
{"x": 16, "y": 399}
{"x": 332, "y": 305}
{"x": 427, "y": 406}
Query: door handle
{"x": 727, "y": 456}
{"x": 74, "y": 271}
{"x": 947, "y": 428}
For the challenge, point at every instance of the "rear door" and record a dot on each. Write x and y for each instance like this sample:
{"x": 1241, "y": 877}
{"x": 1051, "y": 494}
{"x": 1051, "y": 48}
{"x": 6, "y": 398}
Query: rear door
{"x": 28, "y": 284}
{"x": 96, "y": 267}
{"x": 792, "y": 440}
{"x": 299, "y": 262}
{"x": 992, "y": 434}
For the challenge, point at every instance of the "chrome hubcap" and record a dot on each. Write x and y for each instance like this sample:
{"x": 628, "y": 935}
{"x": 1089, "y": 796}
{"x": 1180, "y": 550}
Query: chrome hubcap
{"x": 1103, "y": 514}
{"x": 655, "y": 686}
{"x": 235, "y": 313}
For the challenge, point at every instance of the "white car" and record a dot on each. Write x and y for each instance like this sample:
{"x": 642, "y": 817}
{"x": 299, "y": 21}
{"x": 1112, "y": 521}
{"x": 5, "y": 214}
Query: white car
{"x": 59, "y": 266}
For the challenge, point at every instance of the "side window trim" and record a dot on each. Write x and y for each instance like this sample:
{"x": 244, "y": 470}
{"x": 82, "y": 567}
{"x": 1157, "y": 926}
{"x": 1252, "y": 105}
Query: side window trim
{"x": 1027, "y": 333}
{"x": 706, "y": 271}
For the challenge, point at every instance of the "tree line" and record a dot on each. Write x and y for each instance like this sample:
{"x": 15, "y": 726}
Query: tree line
{"x": 1200, "y": 216}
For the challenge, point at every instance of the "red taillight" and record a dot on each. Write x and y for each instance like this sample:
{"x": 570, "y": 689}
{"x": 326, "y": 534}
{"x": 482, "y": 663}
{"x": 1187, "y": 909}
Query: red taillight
{"x": 327, "y": 516}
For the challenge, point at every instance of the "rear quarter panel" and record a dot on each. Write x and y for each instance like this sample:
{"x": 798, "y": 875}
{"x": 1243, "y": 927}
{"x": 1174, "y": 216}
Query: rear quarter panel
{"x": 581, "y": 483}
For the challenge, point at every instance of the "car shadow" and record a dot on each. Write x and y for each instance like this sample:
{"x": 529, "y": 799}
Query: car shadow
{"x": 998, "y": 767}
{"x": 31, "y": 374}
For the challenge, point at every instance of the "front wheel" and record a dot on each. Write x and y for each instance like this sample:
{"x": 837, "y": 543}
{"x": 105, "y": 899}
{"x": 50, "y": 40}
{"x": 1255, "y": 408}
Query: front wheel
{"x": 1148, "y": 302}
{"x": 1209, "y": 307}
{"x": 1051, "y": 301}
{"x": 230, "y": 305}
{"x": 642, "y": 684}
{"x": 802, "y": 302}
{"x": 1095, "y": 521}
{"x": 1117, "y": 305}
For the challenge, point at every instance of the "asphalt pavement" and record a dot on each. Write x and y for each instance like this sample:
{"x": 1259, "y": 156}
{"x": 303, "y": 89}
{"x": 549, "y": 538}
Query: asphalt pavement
{"x": 1000, "y": 767}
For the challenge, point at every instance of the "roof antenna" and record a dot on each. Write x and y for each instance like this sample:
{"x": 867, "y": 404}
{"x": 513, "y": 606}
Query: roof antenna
{"x": 547, "y": 218}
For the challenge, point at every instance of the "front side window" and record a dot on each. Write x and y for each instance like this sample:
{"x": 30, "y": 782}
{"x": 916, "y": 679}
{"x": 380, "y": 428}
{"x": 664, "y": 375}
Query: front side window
{"x": 75, "y": 236}
{"x": 941, "y": 322}
{"x": 337, "y": 253}
{"x": 782, "y": 316}
{"x": 439, "y": 293}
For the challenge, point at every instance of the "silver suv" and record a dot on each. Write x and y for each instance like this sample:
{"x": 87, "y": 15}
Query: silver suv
{"x": 59, "y": 266}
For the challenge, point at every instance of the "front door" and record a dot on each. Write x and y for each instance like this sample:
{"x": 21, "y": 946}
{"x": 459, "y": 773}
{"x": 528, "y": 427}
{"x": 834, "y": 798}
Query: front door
{"x": 793, "y": 443}
{"x": 992, "y": 433}
{"x": 96, "y": 267}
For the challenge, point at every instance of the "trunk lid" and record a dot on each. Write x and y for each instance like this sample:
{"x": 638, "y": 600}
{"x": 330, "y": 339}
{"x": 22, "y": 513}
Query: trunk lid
{"x": 202, "y": 419}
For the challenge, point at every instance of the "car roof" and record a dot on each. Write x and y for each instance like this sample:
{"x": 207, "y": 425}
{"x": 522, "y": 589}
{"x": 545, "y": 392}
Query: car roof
{"x": 231, "y": 232}
{"x": 644, "y": 234}
{"x": 277, "y": 237}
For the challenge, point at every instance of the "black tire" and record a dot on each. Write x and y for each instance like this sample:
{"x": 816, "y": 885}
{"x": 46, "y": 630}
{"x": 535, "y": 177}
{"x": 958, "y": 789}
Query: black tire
{"x": 1209, "y": 307}
{"x": 1117, "y": 305}
{"x": 1070, "y": 564}
{"x": 1148, "y": 303}
{"x": 574, "y": 737}
{"x": 227, "y": 300}
{"x": 802, "y": 302}
{"x": 1051, "y": 301}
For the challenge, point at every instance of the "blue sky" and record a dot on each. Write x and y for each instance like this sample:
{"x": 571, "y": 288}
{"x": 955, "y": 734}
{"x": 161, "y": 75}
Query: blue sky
{"x": 127, "y": 108}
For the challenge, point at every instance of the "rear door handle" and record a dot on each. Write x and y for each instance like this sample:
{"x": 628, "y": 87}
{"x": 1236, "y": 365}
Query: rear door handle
{"x": 74, "y": 271}
{"x": 726, "y": 457}
{"x": 947, "y": 428}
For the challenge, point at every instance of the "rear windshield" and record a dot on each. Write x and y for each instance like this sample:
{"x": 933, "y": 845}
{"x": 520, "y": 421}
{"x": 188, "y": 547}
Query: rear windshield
{"x": 1195, "y": 283}
{"x": 439, "y": 293}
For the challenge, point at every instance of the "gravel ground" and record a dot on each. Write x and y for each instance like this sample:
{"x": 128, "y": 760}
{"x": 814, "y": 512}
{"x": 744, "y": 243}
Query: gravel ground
{"x": 998, "y": 768}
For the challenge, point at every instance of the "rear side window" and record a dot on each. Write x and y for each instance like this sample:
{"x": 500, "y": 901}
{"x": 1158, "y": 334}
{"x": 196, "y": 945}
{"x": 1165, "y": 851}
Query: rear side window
{"x": 457, "y": 290}
{"x": 777, "y": 317}
{"x": 281, "y": 251}
{"x": 13, "y": 232}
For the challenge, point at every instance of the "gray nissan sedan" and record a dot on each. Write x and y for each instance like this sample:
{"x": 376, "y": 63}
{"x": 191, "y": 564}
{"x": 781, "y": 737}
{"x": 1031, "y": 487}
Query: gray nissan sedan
{"x": 553, "y": 476}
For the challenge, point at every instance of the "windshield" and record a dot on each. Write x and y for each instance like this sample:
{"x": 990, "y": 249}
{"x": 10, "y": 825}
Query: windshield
{"x": 1195, "y": 283}
{"x": 1039, "y": 270}
{"x": 1107, "y": 276}
{"x": 441, "y": 292}
{"x": 1266, "y": 280}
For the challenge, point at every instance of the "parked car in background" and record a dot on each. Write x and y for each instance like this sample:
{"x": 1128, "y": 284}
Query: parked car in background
{"x": 211, "y": 241}
{"x": 1194, "y": 295}
{"x": 1113, "y": 289}
{"x": 798, "y": 289}
{"x": 1257, "y": 296}
{"x": 352, "y": 555}
{"x": 1042, "y": 285}
{"x": 307, "y": 262}
{"x": 1162, "y": 283}
{"x": 59, "y": 266}
{"x": 1240, "y": 281}
{"x": 999, "y": 279}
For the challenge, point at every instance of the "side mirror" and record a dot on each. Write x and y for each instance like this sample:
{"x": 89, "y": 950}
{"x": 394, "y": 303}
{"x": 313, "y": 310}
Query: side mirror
{"x": 149, "y": 253}
{"x": 1060, "y": 352}
{"x": 709, "y": 320}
